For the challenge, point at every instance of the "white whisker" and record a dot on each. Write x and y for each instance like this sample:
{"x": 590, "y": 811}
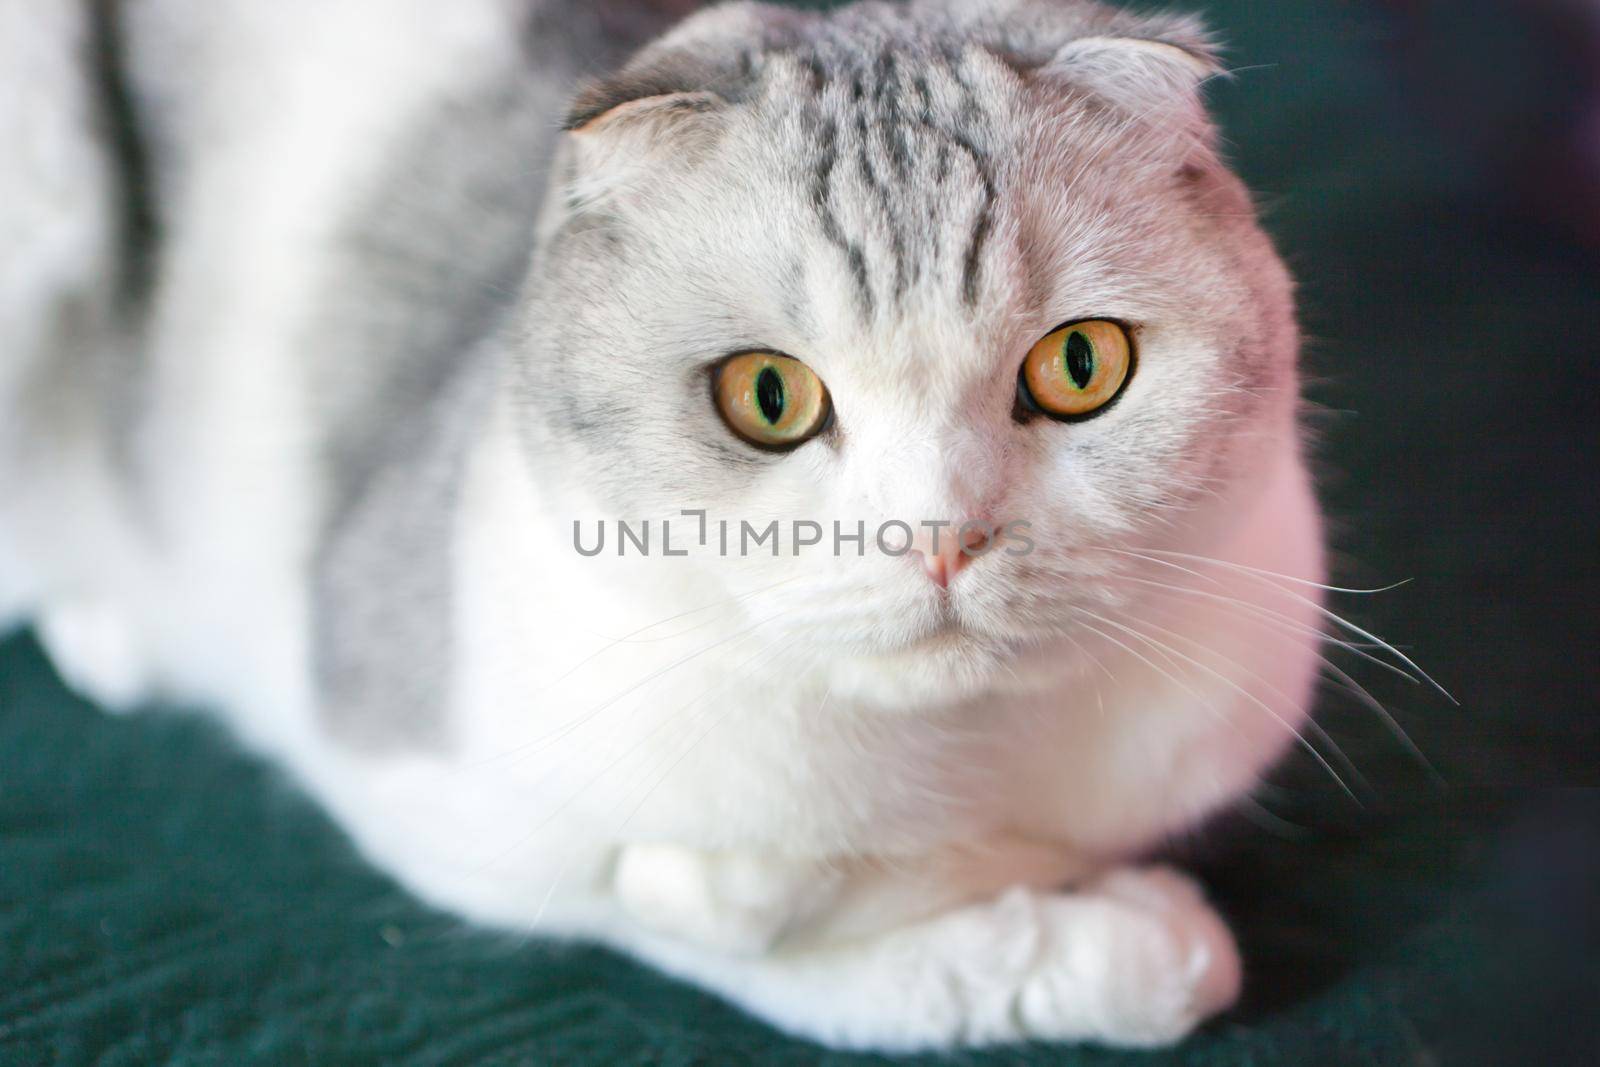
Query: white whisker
{"x": 1250, "y": 570}
{"x": 1339, "y": 620}
{"x": 1300, "y": 737}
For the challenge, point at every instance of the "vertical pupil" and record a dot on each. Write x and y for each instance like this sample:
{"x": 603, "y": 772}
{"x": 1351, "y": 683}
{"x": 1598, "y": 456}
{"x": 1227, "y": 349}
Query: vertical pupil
{"x": 769, "y": 394}
{"x": 1080, "y": 359}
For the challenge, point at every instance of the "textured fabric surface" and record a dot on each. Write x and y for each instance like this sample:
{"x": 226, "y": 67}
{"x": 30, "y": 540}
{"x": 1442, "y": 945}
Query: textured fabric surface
{"x": 165, "y": 898}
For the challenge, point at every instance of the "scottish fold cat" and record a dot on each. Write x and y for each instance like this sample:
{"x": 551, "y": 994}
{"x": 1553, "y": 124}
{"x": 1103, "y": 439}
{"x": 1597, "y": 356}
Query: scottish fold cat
{"x": 336, "y": 333}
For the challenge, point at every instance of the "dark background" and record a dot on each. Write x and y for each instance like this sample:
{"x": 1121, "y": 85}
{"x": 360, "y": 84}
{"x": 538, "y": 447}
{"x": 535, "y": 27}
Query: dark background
{"x": 1432, "y": 172}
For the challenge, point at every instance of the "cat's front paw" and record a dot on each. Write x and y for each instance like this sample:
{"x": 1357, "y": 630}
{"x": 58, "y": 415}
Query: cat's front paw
{"x": 729, "y": 902}
{"x": 1162, "y": 962}
{"x": 96, "y": 651}
{"x": 1136, "y": 958}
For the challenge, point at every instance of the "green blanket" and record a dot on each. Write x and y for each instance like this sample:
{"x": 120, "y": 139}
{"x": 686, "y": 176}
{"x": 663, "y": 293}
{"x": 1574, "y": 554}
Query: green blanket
{"x": 167, "y": 899}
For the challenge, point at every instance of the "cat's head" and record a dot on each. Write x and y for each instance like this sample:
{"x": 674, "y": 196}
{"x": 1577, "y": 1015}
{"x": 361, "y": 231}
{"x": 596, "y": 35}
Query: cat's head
{"x": 911, "y": 201}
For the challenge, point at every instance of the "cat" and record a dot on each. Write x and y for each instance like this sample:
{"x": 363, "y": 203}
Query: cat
{"x": 336, "y": 331}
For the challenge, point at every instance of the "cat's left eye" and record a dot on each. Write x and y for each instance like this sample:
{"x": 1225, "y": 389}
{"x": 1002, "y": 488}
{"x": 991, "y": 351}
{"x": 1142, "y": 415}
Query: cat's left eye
{"x": 1075, "y": 370}
{"x": 773, "y": 401}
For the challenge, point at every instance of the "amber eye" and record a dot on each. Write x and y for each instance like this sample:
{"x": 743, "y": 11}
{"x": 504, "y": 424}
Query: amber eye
{"x": 771, "y": 401}
{"x": 1074, "y": 371}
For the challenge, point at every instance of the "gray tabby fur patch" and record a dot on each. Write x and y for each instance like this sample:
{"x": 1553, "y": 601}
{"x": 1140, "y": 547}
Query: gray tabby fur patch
{"x": 431, "y": 266}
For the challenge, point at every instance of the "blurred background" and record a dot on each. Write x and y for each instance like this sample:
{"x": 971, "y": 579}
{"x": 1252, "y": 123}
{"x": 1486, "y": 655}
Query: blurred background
{"x": 1431, "y": 170}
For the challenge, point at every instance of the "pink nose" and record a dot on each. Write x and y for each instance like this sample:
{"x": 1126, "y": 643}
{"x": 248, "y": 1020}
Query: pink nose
{"x": 956, "y": 548}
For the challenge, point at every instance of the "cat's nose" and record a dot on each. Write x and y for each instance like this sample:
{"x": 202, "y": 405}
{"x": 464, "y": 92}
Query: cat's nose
{"x": 946, "y": 551}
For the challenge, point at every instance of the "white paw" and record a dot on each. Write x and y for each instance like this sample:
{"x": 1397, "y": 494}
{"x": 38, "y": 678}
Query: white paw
{"x": 1136, "y": 958}
{"x": 96, "y": 652}
{"x": 1142, "y": 962}
{"x": 730, "y": 902}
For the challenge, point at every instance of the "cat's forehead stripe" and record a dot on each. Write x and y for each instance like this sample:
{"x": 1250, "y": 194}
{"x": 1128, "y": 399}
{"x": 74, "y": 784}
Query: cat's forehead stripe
{"x": 897, "y": 158}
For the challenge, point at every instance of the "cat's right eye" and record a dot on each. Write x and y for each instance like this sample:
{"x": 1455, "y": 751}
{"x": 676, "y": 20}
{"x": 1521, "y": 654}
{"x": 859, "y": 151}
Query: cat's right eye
{"x": 770, "y": 400}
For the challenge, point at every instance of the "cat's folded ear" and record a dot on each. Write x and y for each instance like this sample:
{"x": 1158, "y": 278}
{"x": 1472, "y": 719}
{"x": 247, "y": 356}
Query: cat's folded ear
{"x": 1143, "y": 64}
{"x": 668, "y": 106}
{"x": 619, "y": 146}
{"x": 1142, "y": 74}
{"x": 707, "y": 62}
{"x": 669, "y": 90}
{"x": 637, "y": 130}
{"x": 1141, "y": 69}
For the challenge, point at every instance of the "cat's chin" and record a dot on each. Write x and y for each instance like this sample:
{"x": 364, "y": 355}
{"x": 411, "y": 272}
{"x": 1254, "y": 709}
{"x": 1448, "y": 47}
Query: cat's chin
{"x": 946, "y": 667}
